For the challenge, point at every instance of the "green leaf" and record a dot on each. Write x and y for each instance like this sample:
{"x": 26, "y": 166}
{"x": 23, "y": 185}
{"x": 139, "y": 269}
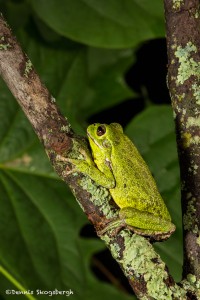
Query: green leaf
{"x": 19, "y": 147}
{"x": 153, "y": 133}
{"x": 107, "y": 84}
{"x": 40, "y": 218}
{"x": 110, "y": 24}
{"x": 72, "y": 93}
{"x": 12, "y": 10}
{"x": 83, "y": 80}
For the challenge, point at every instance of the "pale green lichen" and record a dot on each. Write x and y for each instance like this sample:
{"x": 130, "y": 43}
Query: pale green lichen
{"x": 198, "y": 287}
{"x": 192, "y": 284}
{"x": 107, "y": 240}
{"x": 53, "y": 100}
{"x": 139, "y": 256}
{"x": 177, "y": 4}
{"x": 65, "y": 128}
{"x": 195, "y": 140}
{"x": 189, "y": 284}
{"x": 179, "y": 293}
{"x": 189, "y": 218}
{"x": 115, "y": 250}
{"x": 138, "y": 260}
{"x": 188, "y": 66}
{"x": 196, "y": 15}
{"x": 28, "y": 68}
{"x": 193, "y": 168}
{"x": 173, "y": 46}
{"x": 174, "y": 114}
{"x": 191, "y": 278}
{"x": 184, "y": 111}
{"x": 3, "y": 44}
{"x": 196, "y": 92}
{"x": 192, "y": 121}
{"x": 100, "y": 196}
{"x": 181, "y": 97}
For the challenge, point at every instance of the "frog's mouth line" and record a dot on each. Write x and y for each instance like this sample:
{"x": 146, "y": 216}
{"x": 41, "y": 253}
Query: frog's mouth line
{"x": 94, "y": 141}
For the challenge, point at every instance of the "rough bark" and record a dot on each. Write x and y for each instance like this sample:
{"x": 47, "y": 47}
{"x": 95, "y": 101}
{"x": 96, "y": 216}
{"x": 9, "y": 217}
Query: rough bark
{"x": 183, "y": 43}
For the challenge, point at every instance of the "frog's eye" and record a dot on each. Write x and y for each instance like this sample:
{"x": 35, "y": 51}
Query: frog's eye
{"x": 101, "y": 130}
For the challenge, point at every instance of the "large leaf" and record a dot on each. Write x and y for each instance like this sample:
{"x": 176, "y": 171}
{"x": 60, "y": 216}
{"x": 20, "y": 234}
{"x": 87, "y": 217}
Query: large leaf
{"x": 83, "y": 80}
{"x": 37, "y": 218}
{"x": 111, "y": 24}
{"x": 107, "y": 84}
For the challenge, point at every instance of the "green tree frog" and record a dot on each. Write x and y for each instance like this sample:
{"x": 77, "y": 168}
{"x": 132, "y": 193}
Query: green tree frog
{"x": 119, "y": 167}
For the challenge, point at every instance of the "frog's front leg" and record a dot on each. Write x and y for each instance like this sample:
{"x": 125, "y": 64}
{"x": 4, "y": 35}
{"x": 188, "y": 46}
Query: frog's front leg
{"x": 88, "y": 167}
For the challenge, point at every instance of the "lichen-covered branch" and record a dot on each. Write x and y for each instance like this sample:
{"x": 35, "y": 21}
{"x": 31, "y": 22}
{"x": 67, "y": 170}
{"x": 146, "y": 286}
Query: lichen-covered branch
{"x": 146, "y": 272}
{"x": 183, "y": 44}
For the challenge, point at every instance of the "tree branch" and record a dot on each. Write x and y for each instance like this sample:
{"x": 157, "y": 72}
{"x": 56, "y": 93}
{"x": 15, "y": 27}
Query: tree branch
{"x": 146, "y": 272}
{"x": 183, "y": 43}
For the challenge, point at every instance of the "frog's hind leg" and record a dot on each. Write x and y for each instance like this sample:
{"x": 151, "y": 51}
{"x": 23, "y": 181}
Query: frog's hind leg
{"x": 144, "y": 222}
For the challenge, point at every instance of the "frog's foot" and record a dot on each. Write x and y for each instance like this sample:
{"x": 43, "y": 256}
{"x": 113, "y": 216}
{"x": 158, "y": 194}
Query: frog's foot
{"x": 81, "y": 165}
{"x": 118, "y": 224}
{"x": 141, "y": 223}
{"x": 72, "y": 161}
{"x": 84, "y": 154}
{"x": 115, "y": 226}
{"x": 62, "y": 158}
{"x": 84, "y": 157}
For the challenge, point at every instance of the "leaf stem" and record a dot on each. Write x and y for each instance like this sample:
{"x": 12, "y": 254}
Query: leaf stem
{"x": 16, "y": 283}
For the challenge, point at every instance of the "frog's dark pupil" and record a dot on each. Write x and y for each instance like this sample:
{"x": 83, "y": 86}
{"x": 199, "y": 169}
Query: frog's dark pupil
{"x": 101, "y": 130}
